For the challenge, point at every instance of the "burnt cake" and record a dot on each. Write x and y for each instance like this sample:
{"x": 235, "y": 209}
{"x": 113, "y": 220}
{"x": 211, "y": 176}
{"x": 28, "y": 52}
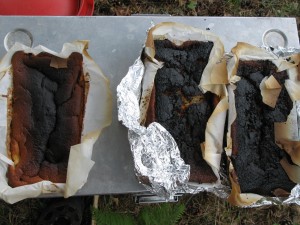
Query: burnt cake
{"x": 255, "y": 155}
{"x": 178, "y": 104}
{"x": 47, "y": 115}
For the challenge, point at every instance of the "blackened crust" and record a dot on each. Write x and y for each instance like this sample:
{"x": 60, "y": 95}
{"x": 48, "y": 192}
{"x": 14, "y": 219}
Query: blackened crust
{"x": 255, "y": 154}
{"x": 47, "y": 115}
{"x": 178, "y": 104}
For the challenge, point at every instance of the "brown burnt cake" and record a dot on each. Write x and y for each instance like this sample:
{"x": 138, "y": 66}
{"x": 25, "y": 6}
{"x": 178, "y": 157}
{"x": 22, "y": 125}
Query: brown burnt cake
{"x": 255, "y": 155}
{"x": 47, "y": 114}
{"x": 178, "y": 104}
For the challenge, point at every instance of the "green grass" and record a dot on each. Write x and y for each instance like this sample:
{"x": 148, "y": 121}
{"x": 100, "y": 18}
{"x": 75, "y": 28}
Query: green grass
{"x": 166, "y": 213}
{"x": 282, "y": 8}
{"x": 202, "y": 208}
{"x": 192, "y": 4}
{"x": 22, "y": 213}
{"x": 200, "y": 7}
{"x": 115, "y": 212}
{"x": 288, "y": 9}
{"x": 205, "y": 208}
{"x": 103, "y": 217}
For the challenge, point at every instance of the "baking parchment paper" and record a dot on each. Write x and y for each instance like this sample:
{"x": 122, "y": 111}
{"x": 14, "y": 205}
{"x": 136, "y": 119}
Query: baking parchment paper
{"x": 286, "y": 134}
{"x": 97, "y": 116}
{"x": 157, "y": 160}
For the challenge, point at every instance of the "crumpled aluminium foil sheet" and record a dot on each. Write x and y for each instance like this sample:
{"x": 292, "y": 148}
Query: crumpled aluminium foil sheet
{"x": 156, "y": 155}
{"x": 284, "y": 52}
{"x": 281, "y": 51}
{"x": 293, "y": 198}
{"x": 157, "y": 160}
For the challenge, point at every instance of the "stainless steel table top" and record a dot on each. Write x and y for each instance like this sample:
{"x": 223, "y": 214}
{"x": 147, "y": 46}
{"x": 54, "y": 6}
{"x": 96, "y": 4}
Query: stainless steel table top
{"x": 115, "y": 43}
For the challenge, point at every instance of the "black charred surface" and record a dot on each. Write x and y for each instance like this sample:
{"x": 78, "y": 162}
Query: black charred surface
{"x": 48, "y": 106}
{"x": 257, "y": 162}
{"x": 180, "y": 105}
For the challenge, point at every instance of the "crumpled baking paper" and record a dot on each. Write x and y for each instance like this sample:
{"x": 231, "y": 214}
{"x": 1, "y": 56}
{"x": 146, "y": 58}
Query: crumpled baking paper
{"x": 286, "y": 134}
{"x": 97, "y": 116}
{"x": 157, "y": 160}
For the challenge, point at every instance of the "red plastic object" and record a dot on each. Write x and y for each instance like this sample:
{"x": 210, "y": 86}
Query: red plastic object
{"x": 47, "y": 7}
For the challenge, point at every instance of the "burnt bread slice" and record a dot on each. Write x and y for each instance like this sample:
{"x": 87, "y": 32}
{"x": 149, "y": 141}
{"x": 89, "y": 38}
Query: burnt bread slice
{"x": 255, "y": 155}
{"x": 47, "y": 115}
{"x": 179, "y": 105}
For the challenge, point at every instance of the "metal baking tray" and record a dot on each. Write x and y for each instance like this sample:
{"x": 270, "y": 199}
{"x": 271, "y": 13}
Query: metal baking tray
{"x": 115, "y": 43}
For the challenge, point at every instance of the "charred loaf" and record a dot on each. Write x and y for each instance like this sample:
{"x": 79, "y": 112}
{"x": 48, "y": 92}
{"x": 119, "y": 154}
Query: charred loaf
{"x": 255, "y": 155}
{"x": 47, "y": 115}
{"x": 178, "y": 104}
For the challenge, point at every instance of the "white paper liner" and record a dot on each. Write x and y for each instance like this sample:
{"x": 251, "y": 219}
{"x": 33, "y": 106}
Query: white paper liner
{"x": 97, "y": 116}
{"x": 157, "y": 160}
{"x": 286, "y": 134}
